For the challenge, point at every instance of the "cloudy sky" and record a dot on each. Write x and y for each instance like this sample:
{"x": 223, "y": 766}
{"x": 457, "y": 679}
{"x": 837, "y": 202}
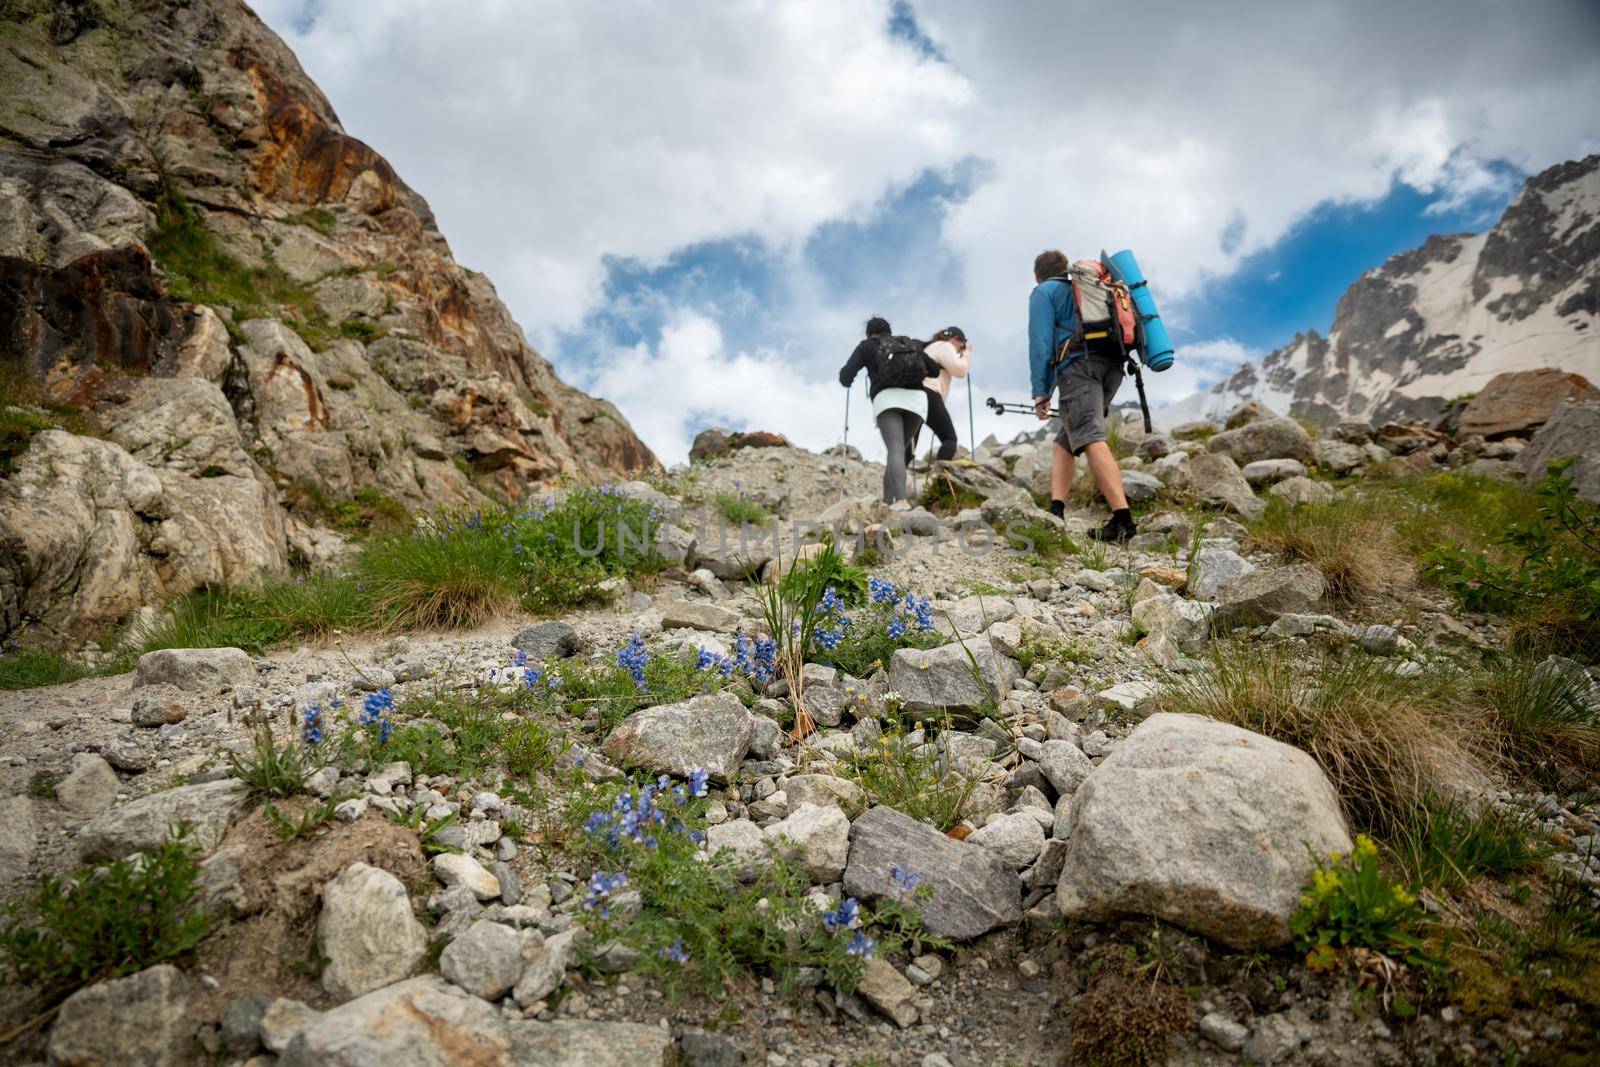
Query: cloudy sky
{"x": 691, "y": 207}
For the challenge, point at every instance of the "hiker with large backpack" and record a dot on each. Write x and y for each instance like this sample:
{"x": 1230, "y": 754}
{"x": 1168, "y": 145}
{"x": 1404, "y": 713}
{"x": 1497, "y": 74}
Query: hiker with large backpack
{"x": 949, "y": 349}
{"x": 896, "y": 369}
{"x": 1081, "y": 324}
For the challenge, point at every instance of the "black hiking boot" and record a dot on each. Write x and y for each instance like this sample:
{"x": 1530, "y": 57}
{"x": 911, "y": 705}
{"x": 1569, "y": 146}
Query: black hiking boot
{"x": 1119, "y": 529}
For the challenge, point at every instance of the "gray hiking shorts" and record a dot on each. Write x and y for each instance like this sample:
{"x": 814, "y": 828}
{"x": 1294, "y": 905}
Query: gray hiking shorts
{"x": 1087, "y": 385}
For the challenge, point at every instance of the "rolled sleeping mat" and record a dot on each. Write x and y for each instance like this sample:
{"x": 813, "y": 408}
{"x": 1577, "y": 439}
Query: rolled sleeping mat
{"x": 1154, "y": 345}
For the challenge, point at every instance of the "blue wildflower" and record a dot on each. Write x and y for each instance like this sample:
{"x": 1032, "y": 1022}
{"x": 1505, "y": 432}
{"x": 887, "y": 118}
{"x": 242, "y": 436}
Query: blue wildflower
{"x": 521, "y": 658}
{"x": 897, "y": 628}
{"x": 841, "y": 917}
{"x": 904, "y": 880}
{"x": 883, "y": 591}
{"x": 697, "y": 781}
{"x": 311, "y": 731}
{"x": 861, "y": 945}
{"x": 634, "y": 657}
{"x": 375, "y": 707}
{"x": 675, "y": 952}
{"x": 601, "y": 887}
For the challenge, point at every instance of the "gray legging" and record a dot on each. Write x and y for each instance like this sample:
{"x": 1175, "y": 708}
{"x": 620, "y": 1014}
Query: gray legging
{"x": 899, "y": 429}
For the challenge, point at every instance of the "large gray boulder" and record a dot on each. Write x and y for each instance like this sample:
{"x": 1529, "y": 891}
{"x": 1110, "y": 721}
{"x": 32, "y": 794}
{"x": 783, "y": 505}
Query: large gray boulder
{"x": 817, "y": 838}
{"x": 137, "y": 1021}
{"x": 699, "y": 615}
{"x": 1169, "y": 617}
{"x": 943, "y": 679}
{"x": 427, "y": 1022}
{"x": 711, "y": 731}
{"x": 1268, "y": 471}
{"x": 1216, "y": 481}
{"x": 1573, "y": 430}
{"x": 1337, "y": 457}
{"x": 1211, "y": 567}
{"x": 972, "y": 890}
{"x": 19, "y": 837}
{"x": 551, "y": 639}
{"x": 141, "y": 825}
{"x": 89, "y": 787}
{"x": 1260, "y": 596}
{"x": 1139, "y": 487}
{"x": 202, "y": 670}
{"x": 1301, "y": 490}
{"x": 367, "y": 932}
{"x": 1203, "y": 825}
{"x": 1270, "y": 438}
{"x": 486, "y": 961}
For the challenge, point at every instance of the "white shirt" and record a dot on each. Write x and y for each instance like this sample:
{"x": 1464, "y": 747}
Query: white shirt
{"x": 952, "y": 364}
{"x": 912, "y": 400}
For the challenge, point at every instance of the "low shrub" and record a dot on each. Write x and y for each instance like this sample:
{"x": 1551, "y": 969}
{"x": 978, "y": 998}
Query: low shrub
{"x": 103, "y": 922}
{"x": 700, "y": 922}
{"x": 860, "y": 642}
{"x": 1351, "y": 903}
{"x": 1388, "y": 741}
{"x": 1543, "y": 573}
{"x": 740, "y": 510}
{"x": 275, "y": 770}
{"x": 913, "y": 775}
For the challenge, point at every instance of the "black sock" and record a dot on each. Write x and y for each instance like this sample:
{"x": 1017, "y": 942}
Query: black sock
{"x": 1122, "y": 517}
{"x": 1058, "y": 508}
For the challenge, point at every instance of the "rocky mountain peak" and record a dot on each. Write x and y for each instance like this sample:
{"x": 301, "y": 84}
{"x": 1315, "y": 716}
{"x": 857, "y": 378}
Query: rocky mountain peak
{"x": 1441, "y": 320}
{"x": 188, "y": 232}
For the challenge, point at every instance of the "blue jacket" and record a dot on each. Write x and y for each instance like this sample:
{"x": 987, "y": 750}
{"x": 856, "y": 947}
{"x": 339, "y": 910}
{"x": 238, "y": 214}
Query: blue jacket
{"x": 1052, "y": 316}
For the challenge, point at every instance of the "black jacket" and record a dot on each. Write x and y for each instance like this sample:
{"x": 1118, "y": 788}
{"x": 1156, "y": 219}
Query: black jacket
{"x": 862, "y": 357}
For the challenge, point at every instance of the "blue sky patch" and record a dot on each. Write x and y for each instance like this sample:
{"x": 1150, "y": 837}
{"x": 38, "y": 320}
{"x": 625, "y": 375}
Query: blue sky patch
{"x": 1295, "y": 285}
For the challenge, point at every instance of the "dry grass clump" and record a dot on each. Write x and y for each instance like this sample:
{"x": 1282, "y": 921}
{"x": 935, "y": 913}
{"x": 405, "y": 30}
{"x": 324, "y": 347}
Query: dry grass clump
{"x": 1352, "y": 542}
{"x": 1389, "y": 743}
{"x": 1126, "y": 1020}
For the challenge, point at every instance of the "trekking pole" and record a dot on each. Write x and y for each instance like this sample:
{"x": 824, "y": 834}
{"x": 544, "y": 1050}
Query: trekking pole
{"x": 844, "y": 450}
{"x": 1138, "y": 381}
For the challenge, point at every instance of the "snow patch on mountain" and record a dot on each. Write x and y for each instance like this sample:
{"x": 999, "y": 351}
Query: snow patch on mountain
{"x": 1441, "y": 320}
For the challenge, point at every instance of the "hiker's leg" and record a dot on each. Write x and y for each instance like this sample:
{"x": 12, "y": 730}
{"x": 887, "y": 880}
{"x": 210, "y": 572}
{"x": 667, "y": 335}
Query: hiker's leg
{"x": 1062, "y": 469}
{"x": 939, "y": 422}
{"x": 892, "y": 430}
{"x": 1107, "y": 475}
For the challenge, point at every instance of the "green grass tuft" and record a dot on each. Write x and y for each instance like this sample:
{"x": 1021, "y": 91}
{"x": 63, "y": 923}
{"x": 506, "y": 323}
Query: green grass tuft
{"x": 29, "y": 668}
{"x": 96, "y": 923}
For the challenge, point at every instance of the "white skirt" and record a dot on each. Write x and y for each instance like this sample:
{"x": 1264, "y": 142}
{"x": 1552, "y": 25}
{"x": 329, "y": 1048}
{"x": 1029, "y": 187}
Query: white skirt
{"x": 912, "y": 400}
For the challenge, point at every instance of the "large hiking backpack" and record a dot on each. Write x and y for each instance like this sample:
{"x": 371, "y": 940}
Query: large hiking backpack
{"x": 1105, "y": 311}
{"x": 898, "y": 364}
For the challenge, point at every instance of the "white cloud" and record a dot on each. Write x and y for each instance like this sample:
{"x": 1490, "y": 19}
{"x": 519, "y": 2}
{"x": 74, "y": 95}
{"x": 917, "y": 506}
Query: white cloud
{"x": 691, "y": 380}
{"x": 550, "y": 133}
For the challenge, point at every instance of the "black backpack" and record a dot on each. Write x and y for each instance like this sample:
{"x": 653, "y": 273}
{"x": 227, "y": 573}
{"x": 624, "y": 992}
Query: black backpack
{"x": 898, "y": 364}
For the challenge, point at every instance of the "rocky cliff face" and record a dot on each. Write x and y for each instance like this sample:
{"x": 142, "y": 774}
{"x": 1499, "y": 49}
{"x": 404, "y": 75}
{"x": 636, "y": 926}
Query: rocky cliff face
{"x": 1442, "y": 320}
{"x": 233, "y": 314}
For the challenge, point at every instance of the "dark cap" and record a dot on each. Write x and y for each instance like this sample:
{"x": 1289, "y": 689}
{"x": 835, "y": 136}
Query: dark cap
{"x": 953, "y": 331}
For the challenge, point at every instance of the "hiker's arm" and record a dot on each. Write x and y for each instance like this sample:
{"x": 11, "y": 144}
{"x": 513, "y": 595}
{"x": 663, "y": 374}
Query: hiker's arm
{"x": 1041, "y": 341}
{"x": 852, "y": 367}
{"x": 960, "y": 363}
